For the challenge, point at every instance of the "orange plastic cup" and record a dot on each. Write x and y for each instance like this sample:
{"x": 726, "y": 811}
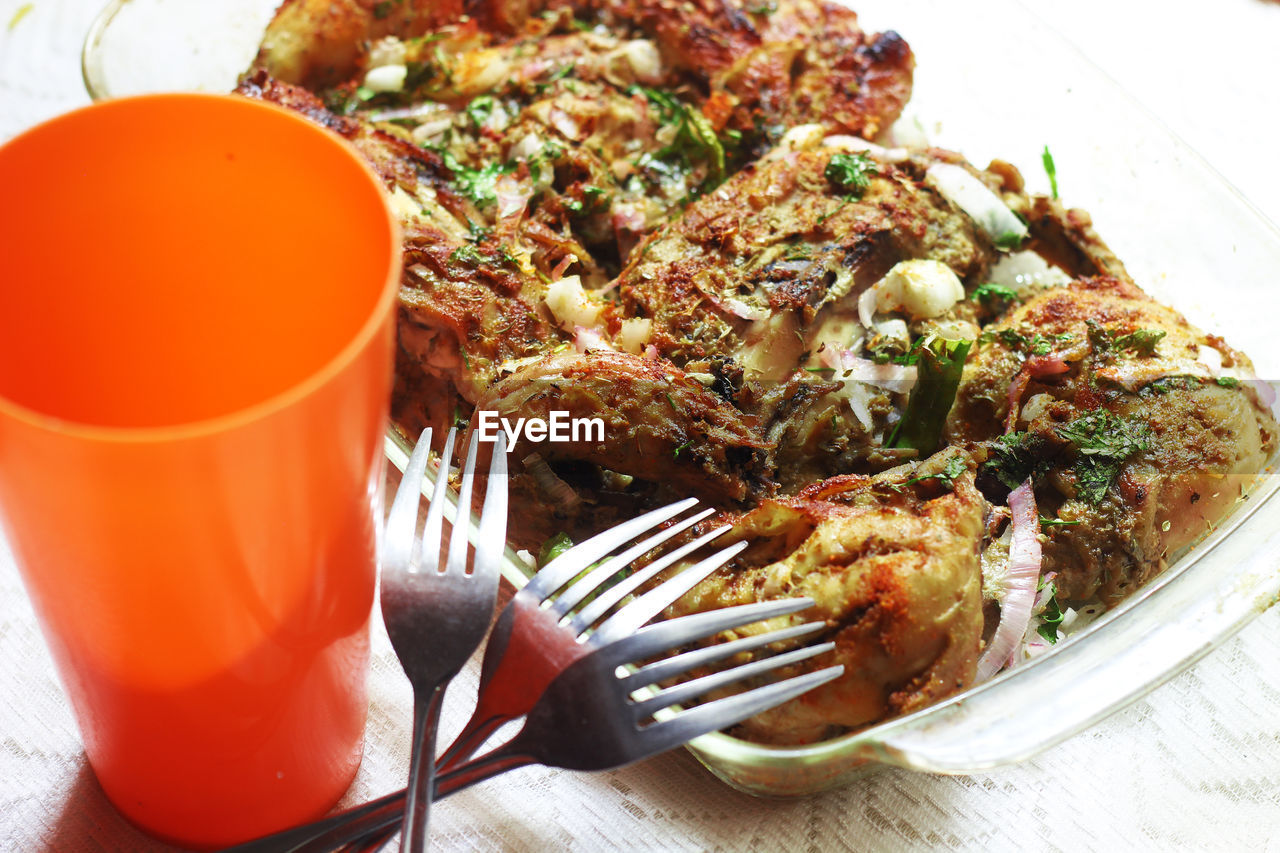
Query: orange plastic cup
{"x": 196, "y": 348}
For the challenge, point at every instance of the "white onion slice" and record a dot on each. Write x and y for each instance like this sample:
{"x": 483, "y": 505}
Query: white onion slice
{"x": 1020, "y": 589}
{"x": 977, "y": 200}
{"x": 893, "y": 377}
{"x": 585, "y": 340}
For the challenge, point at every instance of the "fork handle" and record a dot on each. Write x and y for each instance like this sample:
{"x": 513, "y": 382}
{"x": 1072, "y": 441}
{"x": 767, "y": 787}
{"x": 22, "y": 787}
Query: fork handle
{"x": 422, "y": 770}
{"x": 358, "y": 824}
{"x": 375, "y": 821}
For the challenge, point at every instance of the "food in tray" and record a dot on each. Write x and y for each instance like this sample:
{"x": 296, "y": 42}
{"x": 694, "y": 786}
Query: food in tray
{"x": 933, "y": 401}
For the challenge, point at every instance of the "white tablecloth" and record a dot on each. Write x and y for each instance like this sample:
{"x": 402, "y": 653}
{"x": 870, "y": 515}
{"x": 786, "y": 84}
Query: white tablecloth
{"x": 1194, "y": 765}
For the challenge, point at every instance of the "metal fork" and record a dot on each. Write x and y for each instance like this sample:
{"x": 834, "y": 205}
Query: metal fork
{"x": 435, "y": 617}
{"x": 591, "y": 718}
{"x": 532, "y": 642}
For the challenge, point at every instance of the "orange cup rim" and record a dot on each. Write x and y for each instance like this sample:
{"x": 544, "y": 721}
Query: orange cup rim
{"x": 277, "y": 402}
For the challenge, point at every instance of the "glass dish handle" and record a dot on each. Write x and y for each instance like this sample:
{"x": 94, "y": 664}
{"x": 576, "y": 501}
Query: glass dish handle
{"x": 1183, "y": 617}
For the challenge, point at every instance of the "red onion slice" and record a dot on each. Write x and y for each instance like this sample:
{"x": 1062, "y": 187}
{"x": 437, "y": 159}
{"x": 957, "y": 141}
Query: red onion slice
{"x": 1022, "y": 575}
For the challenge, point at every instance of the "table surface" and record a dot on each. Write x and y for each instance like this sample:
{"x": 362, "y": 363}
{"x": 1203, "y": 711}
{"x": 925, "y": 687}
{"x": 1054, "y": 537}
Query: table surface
{"x": 1195, "y": 764}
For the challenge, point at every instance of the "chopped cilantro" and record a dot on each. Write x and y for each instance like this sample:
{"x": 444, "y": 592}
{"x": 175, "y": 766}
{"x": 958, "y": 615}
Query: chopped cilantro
{"x": 987, "y": 294}
{"x": 467, "y": 254}
{"x": 695, "y": 141}
{"x": 1165, "y": 384}
{"x": 946, "y": 477}
{"x": 1228, "y": 381}
{"x": 1141, "y": 341}
{"x": 480, "y": 109}
{"x": 1036, "y": 344}
{"x": 1051, "y": 615}
{"x": 850, "y": 173}
{"x": 1103, "y": 442}
{"x": 1014, "y": 457}
{"x": 676, "y": 453}
{"x": 1051, "y": 170}
{"x": 476, "y": 184}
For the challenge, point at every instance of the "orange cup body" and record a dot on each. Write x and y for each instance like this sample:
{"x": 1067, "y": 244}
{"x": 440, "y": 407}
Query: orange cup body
{"x": 195, "y": 363}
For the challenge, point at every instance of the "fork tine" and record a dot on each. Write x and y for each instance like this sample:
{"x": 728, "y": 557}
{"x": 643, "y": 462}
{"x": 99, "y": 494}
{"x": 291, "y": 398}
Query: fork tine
{"x": 457, "y": 561}
{"x": 603, "y": 603}
{"x": 629, "y": 619}
{"x": 403, "y": 517}
{"x": 731, "y": 710}
{"x": 700, "y": 686}
{"x": 572, "y": 596}
{"x": 568, "y": 565}
{"x": 653, "y": 640}
{"x": 491, "y": 538}
{"x": 430, "y": 555}
{"x": 682, "y": 663}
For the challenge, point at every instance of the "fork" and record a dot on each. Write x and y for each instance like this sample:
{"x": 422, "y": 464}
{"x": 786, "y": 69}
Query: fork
{"x": 590, "y": 718}
{"x": 435, "y": 618}
{"x": 531, "y": 643}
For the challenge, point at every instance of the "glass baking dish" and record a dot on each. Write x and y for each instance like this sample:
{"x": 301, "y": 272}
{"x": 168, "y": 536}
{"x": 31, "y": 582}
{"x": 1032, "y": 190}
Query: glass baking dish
{"x": 1003, "y": 85}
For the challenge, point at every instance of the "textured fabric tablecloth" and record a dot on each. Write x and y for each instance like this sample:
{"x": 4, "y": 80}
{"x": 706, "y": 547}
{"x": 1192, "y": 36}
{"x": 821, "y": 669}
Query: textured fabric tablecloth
{"x": 1195, "y": 765}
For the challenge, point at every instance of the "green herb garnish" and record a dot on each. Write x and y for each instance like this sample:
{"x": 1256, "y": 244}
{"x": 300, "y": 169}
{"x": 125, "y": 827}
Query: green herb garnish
{"x": 1228, "y": 381}
{"x": 850, "y": 173}
{"x": 1103, "y": 442}
{"x": 553, "y": 547}
{"x": 480, "y": 109}
{"x": 1051, "y": 170}
{"x": 993, "y": 293}
{"x": 939, "y": 364}
{"x": 1142, "y": 341}
{"x": 946, "y": 477}
{"x": 1051, "y": 615}
{"x": 1015, "y": 456}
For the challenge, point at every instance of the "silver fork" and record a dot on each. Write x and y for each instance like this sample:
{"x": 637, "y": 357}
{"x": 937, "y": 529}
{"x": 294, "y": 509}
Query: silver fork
{"x": 532, "y": 643}
{"x": 436, "y": 617}
{"x": 591, "y": 718}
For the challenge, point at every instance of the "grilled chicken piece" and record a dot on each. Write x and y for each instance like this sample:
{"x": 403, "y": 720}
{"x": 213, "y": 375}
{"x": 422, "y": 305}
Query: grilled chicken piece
{"x": 893, "y": 568}
{"x": 772, "y": 263}
{"x": 1140, "y": 430}
{"x": 665, "y": 437}
{"x": 320, "y": 42}
{"x": 467, "y": 304}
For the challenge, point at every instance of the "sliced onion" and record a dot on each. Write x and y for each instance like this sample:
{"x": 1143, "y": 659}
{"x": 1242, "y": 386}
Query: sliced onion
{"x": 560, "y": 492}
{"x": 513, "y": 195}
{"x": 976, "y": 199}
{"x": 565, "y": 123}
{"x": 893, "y": 377}
{"x": 738, "y": 308}
{"x": 867, "y": 305}
{"x": 1019, "y": 597}
{"x": 1040, "y": 366}
{"x": 586, "y": 339}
